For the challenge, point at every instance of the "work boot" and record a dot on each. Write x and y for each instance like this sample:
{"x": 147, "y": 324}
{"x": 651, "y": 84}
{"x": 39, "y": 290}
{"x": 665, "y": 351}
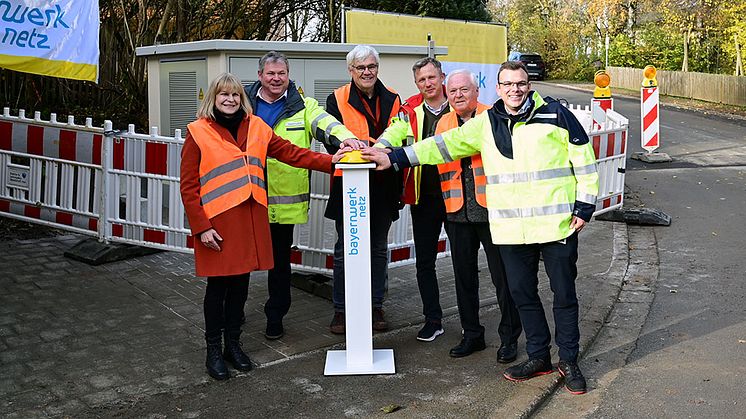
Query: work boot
{"x": 337, "y": 325}
{"x": 379, "y": 321}
{"x": 507, "y": 353}
{"x": 233, "y": 352}
{"x": 214, "y": 363}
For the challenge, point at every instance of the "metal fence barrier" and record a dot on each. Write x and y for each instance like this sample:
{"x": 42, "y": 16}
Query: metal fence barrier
{"x": 123, "y": 187}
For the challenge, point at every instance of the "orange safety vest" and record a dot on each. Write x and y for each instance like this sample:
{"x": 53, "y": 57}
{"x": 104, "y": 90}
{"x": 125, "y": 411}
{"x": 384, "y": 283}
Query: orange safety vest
{"x": 227, "y": 175}
{"x": 353, "y": 119}
{"x": 450, "y": 173}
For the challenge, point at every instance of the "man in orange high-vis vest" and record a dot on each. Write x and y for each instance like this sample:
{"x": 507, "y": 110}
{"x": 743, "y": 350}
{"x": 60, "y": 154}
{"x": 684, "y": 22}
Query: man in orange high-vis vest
{"x": 365, "y": 106}
{"x": 463, "y": 186}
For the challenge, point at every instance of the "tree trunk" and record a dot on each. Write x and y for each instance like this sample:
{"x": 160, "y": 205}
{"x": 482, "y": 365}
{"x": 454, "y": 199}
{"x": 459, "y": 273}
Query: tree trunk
{"x": 685, "y": 62}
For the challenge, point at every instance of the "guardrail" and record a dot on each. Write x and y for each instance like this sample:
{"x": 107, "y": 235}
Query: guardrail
{"x": 123, "y": 187}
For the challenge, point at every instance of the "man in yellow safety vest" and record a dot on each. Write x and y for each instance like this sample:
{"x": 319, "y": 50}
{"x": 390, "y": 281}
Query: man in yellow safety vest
{"x": 541, "y": 188}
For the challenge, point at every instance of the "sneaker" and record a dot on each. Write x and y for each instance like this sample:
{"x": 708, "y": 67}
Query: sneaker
{"x": 274, "y": 331}
{"x": 338, "y": 323}
{"x": 531, "y": 368}
{"x": 430, "y": 331}
{"x": 574, "y": 380}
{"x": 379, "y": 323}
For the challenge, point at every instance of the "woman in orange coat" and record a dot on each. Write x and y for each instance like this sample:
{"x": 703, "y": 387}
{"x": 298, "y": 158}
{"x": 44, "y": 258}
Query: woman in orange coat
{"x": 225, "y": 198}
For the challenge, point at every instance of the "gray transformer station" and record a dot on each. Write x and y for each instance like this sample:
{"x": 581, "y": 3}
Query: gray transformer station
{"x": 179, "y": 74}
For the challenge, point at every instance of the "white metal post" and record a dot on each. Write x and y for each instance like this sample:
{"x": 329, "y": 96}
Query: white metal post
{"x": 359, "y": 357}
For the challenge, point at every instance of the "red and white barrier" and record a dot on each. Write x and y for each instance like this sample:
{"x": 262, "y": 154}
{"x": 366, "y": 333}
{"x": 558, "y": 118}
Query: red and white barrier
{"x": 598, "y": 111}
{"x": 124, "y": 186}
{"x": 650, "y": 139}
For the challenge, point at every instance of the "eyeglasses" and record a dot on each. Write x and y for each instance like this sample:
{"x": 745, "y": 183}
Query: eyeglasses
{"x": 517, "y": 84}
{"x": 370, "y": 67}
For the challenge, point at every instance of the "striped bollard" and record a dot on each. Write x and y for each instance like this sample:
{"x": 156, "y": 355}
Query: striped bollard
{"x": 650, "y": 130}
{"x": 602, "y": 100}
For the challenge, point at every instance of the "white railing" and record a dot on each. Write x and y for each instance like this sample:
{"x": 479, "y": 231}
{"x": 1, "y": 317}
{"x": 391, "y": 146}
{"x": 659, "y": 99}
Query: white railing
{"x": 121, "y": 186}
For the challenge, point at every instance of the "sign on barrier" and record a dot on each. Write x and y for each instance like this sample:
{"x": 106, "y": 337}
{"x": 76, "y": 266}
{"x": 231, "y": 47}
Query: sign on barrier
{"x": 124, "y": 186}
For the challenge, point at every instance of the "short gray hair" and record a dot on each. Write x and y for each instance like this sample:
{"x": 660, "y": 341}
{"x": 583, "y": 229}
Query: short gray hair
{"x": 273, "y": 57}
{"x": 360, "y": 53}
{"x": 472, "y": 76}
{"x": 425, "y": 61}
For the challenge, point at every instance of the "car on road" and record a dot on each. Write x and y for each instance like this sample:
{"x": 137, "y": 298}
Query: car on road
{"x": 534, "y": 63}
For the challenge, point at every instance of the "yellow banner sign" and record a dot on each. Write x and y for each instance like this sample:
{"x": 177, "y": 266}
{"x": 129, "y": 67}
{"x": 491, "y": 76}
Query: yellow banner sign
{"x": 467, "y": 42}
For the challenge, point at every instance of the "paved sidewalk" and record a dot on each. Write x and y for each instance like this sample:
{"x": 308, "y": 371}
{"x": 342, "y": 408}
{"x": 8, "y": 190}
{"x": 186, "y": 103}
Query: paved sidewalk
{"x": 127, "y": 339}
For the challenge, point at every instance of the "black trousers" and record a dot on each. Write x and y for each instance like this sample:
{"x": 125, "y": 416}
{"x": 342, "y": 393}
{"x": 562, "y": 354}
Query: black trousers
{"x": 522, "y": 267}
{"x": 225, "y": 297}
{"x": 278, "y": 278}
{"x": 427, "y": 220}
{"x": 465, "y": 239}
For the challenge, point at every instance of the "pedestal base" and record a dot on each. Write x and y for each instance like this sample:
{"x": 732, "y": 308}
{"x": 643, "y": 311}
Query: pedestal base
{"x": 383, "y": 363}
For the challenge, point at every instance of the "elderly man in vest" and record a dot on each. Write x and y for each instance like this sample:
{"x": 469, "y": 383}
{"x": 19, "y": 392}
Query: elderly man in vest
{"x": 541, "y": 189}
{"x": 365, "y": 106}
{"x": 298, "y": 119}
{"x": 463, "y": 185}
{"x": 420, "y": 115}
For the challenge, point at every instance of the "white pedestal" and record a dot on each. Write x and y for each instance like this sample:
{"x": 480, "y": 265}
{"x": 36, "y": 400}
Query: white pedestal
{"x": 359, "y": 356}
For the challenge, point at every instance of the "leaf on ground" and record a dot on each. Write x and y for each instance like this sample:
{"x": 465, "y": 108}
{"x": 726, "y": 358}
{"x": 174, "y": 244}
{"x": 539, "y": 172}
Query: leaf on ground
{"x": 390, "y": 408}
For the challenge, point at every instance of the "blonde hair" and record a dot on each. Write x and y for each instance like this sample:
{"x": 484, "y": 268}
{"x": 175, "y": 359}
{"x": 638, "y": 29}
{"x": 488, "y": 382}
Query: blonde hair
{"x": 223, "y": 82}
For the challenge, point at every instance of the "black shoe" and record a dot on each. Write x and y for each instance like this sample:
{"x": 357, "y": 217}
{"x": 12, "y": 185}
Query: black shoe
{"x": 337, "y": 325}
{"x": 430, "y": 331}
{"x": 234, "y": 354}
{"x": 467, "y": 347}
{"x": 274, "y": 331}
{"x": 531, "y": 368}
{"x": 507, "y": 353}
{"x": 379, "y": 322}
{"x": 574, "y": 380}
{"x": 214, "y": 362}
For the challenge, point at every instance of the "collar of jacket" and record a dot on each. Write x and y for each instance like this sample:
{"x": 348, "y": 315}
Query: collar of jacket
{"x": 417, "y": 100}
{"x": 535, "y": 103}
{"x": 387, "y": 98}
{"x": 293, "y": 104}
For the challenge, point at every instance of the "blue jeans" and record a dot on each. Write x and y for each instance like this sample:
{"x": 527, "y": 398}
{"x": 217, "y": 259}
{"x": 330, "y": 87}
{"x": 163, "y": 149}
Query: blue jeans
{"x": 380, "y": 223}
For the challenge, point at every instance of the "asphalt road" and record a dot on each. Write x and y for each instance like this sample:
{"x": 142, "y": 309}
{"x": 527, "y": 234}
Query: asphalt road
{"x": 689, "y": 359}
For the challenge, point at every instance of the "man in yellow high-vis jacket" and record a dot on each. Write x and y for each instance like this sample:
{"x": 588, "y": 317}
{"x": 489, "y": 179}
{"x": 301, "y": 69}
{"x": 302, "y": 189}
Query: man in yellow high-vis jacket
{"x": 298, "y": 119}
{"x": 542, "y": 184}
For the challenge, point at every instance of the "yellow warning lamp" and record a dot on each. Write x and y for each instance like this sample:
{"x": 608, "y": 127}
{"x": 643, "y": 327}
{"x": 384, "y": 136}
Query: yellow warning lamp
{"x": 602, "y": 81}
{"x": 353, "y": 157}
{"x": 648, "y": 75}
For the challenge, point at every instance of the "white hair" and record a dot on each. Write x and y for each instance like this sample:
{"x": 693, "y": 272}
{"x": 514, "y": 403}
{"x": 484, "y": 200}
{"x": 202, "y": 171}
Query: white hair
{"x": 360, "y": 53}
{"x": 472, "y": 76}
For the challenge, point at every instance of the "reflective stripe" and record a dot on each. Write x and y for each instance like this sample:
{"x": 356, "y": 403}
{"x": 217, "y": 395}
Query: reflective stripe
{"x": 255, "y": 161}
{"x": 529, "y": 176}
{"x": 481, "y": 189}
{"x": 530, "y": 212}
{"x": 546, "y": 116}
{"x": 452, "y": 193}
{"x": 443, "y": 149}
{"x": 584, "y": 197}
{"x": 293, "y": 199}
{"x": 221, "y": 170}
{"x": 228, "y": 187}
{"x": 258, "y": 181}
{"x": 412, "y": 156}
{"x": 409, "y": 140}
{"x": 446, "y": 176}
{"x": 384, "y": 142}
{"x": 315, "y": 123}
{"x": 585, "y": 170}
{"x": 479, "y": 171}
{"x": 330, "y": 127}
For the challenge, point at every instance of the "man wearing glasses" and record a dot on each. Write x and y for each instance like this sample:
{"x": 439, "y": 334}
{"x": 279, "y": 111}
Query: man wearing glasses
{"x": 365, "y": 106}
{"x": 541, "y": 189}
